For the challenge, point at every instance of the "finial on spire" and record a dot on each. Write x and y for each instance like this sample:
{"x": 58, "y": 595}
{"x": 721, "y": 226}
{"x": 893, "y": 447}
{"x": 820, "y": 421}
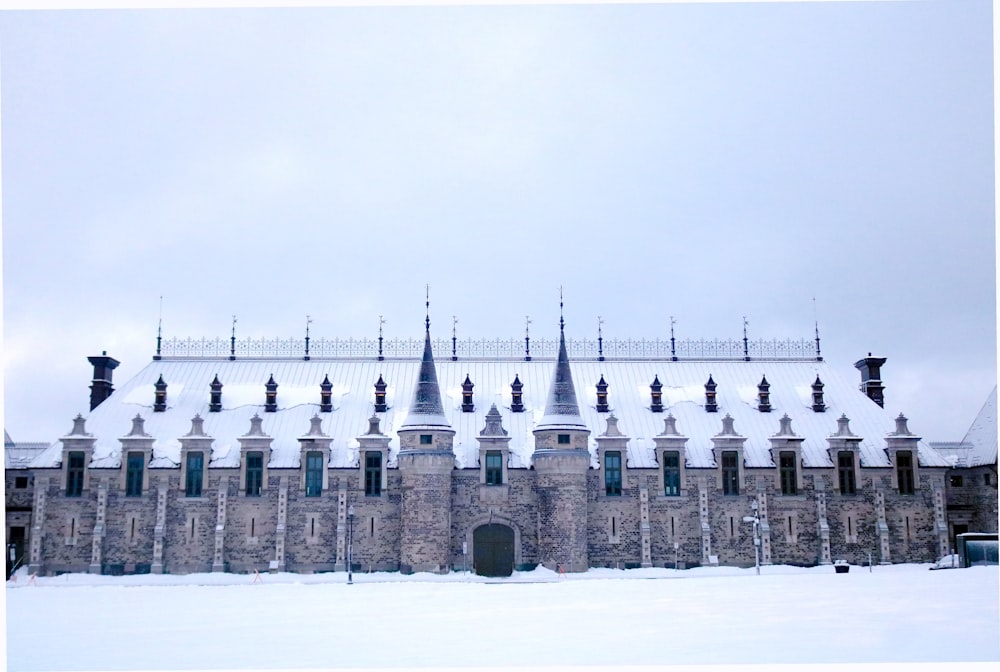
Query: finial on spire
{"x": 454, "y": 337}
{"x": 380, "y": 323}
{"x": 819, "y": 357}
{"x": 562, "y": 322}
{"x": 746, "y": 345}
{"x": 232, "y": 341}
{"x": 427, "y": 307}
{"x": 159, "y": 330}
{"x": 308, "y": 322}
{"x": 600, "y": 340}
{"x": 527, "y": 339}
{"x": 673, "y": 350}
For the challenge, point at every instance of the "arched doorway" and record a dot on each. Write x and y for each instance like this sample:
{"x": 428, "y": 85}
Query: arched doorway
{"x": 493, "y": 550}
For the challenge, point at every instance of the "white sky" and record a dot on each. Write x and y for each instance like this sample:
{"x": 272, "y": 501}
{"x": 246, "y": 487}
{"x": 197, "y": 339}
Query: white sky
{"x": 704, "y": 161}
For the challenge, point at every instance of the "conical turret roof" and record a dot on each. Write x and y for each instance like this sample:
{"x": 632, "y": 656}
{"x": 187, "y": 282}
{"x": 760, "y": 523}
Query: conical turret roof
{"x": 561, "y": 409}
{"x": 426, "y": 409}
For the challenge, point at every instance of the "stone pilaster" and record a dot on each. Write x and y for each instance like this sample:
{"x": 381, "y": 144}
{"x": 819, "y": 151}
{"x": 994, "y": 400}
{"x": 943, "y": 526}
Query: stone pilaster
{"x": 824, "y": 530}
{"x": 765, "y": 529}
{"x": 644, "y": 531}
{"x": 940, "y": 522}
{"x": 341, "y": 563}
{"x": 279, "y": 533}
{"x": 218, "y": 561}
{"x": 159, "y": 529}
{"x": 37, "y": 525}
{"x": 882, "y": 528}
{"x": 97, "y": 543}
{"x": 706, "y": 523}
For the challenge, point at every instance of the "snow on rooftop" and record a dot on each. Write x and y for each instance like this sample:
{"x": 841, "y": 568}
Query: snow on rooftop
{"x": 353, "y": 380}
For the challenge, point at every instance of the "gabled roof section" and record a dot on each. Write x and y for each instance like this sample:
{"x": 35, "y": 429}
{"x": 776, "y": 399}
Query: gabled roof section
{"x": 561, "y": 409}
{"x": 982, "y": 435}
{"x": 426, "y": 409}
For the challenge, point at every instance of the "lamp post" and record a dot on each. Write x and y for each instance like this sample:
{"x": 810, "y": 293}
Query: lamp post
{"x": 755, "y": 519}
{"x": 350, "y": 543}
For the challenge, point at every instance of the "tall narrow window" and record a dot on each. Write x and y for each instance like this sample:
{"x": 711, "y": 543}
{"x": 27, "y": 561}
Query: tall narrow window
{"x": 494, "y": 467}
{"x": 255, "y": 473}
{"x": 373, "y": 473}
{"x": 671, "y": 473}
{"x": 74, "y": 474}
{"x": 194, "y": 474}
{"x": 845, "y": 469}
{"x": 314, "y": 474}
{"x": 787, "y": 468}
{"x": 730, "y": 473}
{"x": 904, "y": 471}
{"x": 612, "y": 473}
{"x": 133, "y": 474}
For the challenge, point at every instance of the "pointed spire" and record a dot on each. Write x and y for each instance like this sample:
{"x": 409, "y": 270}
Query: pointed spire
{"x": 426, "y": 408}
{"x": 561, "y": 408}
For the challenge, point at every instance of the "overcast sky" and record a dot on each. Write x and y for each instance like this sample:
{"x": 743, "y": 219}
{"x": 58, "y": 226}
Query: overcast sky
{"x": 698, "y": 161}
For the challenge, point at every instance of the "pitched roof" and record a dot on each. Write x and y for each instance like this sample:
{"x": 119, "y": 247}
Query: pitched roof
{"x": 188, "y": 380}
{"x": 982, "y": 435}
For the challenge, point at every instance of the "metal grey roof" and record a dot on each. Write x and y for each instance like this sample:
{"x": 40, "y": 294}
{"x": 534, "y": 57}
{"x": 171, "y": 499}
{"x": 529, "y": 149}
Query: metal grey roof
{"x": 561, "y": 409}
{"x": 425, "y": 405}
{"x": 353, "y": 379}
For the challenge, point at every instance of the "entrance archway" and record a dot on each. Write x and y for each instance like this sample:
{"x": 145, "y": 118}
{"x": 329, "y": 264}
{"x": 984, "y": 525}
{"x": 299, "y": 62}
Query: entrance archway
{"x": 493, "y": 550}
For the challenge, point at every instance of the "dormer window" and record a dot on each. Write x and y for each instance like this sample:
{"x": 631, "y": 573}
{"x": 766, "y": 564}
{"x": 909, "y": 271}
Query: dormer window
{"x": 215, "y": 400}
{"x": 74, "y": 473}
{"x": 904, "y": 471}
{"x": 786, "y": 460}
{"x": 613, "y": 473}
{"x": 254, "y": 473}
{"x": 563, "y": 439}
{"x": 325, "y": 395}
{"x": 494, "y": 467}
{"x": 819, "y": 406}
{"x": 845, "y": 472}
{"x": 426, "y": 439}
{"x": 160, "y": 396}
{"x": 133, "y": 474}
{"x": 730, "y": 472}
{"x": 710, "y": 403}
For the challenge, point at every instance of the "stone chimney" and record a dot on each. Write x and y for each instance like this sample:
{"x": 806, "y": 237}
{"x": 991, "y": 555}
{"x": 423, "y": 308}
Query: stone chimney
{"x": 871, "y": 377}
{"x": 101, "y": 387}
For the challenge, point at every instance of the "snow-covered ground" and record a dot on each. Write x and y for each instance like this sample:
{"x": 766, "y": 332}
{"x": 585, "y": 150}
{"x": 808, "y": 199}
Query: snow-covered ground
{"x": 610, "y": 618}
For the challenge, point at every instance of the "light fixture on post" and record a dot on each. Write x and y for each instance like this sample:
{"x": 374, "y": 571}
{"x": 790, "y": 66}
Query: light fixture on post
{"x": 350, "y": 543}
{"x": 755, "y": 519}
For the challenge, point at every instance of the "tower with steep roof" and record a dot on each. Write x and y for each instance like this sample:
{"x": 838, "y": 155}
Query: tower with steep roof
{"x": 561, "y": 461}
{"x": 426, "y": 461}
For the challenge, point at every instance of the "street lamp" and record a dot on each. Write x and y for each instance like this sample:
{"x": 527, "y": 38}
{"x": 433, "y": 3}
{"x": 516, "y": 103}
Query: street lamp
{"x": 350, "y": 543}
{"x": 755, "y": 519}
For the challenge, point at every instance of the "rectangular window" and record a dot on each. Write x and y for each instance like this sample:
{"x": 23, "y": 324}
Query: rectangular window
{"x": 426, "y": 439}
{"x": 194, "y": 474}
{"x": 494, "y": 467}
{"x": 671, "y": 473}
{"x": 314, "y": 474}
{"x": 563, "y": 439}
{"x": 986, "y": 479}
{"x": 133, "y": 474}
{"x": 612, "y": 473}
{"x": 845, "y": 471}
{"x": 74, "y": 474}
{"x": 20, "y": 482}
{"x": 786, "y": 462}
{"x": 904, "y": 471}
{"x": 730, "y": 473}
{"x": 255, "y": 473}
{"x": 373, "y": 474}
{"x": 955, "y": 481}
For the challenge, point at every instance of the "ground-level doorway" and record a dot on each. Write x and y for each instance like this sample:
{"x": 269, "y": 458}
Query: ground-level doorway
{"x": 493, "y": 550}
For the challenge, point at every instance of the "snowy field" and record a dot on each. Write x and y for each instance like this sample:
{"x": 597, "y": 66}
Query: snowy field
{"x": 607, "y": 618}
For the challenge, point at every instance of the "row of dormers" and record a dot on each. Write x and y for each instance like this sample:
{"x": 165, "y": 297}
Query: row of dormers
{"x": 468, "y": 405}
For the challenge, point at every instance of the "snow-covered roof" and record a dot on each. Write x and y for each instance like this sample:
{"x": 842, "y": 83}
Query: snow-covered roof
{"x": 20, "y": 455}
{"x": 982, "y": 435}
{"x": 353, "y": 379}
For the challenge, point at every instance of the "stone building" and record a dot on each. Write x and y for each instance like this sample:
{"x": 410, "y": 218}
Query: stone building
{"x": 574, "y": 455}
{"x": 971, "y": 483}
